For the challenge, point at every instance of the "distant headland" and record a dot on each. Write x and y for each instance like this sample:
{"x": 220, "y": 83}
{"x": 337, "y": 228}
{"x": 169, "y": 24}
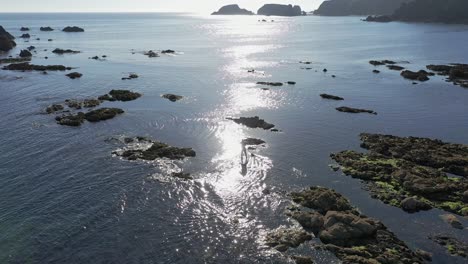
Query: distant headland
{"x": 266, "y": 10}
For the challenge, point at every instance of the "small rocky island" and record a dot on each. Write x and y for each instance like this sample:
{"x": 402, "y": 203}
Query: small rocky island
{"x": 280, "y": 10}
{"x": 232, "y": 10}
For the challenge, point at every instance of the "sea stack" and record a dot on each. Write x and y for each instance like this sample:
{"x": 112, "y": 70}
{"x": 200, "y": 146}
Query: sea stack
{"x": 280, "y": 10}
{"x": 232, "y": 10}
{"x": 6, "y": 40}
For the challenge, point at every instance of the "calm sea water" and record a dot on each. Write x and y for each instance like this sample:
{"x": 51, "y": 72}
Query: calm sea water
{"x": 65, "y": 199}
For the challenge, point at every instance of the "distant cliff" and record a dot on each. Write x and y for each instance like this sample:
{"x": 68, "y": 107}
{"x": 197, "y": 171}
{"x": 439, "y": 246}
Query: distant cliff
{"x": 232, "y": 10}
{"x": 280, "y": 10}
{"x": 438, "y": 11}
{"x": 358, "y": 7}
{"x": 6, "y": 40}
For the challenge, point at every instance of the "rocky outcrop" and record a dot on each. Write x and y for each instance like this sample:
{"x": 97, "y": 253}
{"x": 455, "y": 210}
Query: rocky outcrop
{"x": 14, "y": 60}
{"x": 74, "y": 75}
{"x": 358, "y": 7}
{"x": 253, "y": 122}
{"x": 6, "y": 40}
{"x": 64, "y": 51}
{"x": 31, "y": 67}
{"x": 351, "y": 236}
{"x": 280, "y": 10}
{"x": 410, "y": 172}
{"x": 456, "y": 73}
{"x": 147, "y": 149}
{"x": 91, "y": 116}
{"x": 24, "y": 29}
{"x": 172, "y": 97}
{"x": 46, "y": 29}
{"x": 270, "y": 83}
{"x": 25, "y": 54}
{"x": 73, "y": 29}
{"x": 352, "y": 110}
{"x": 232, "y": 10}
{"x": 331, "y": 97}
{"x": 421, "y": 75}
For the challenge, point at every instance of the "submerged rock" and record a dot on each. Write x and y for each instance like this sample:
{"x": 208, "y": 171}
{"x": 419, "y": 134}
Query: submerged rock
{"x": 452, "y": 245}
{"x": 151, "y": 54}
{"x": 232, "y": 10}
{"x": 182, "y": 175}
{"x": 62, "y": 51}
{"x": 46, "y": 29}
{"x": 72, "y": 29}
{"x": 331, "y": 97}
{"x": 31, "y": 67}
{"x": 303, "y": 260}
{"x": 172, "y": 97}
{"x": 452, "y": 220}
{"x": 14, "y": 60}
{"x": 156, "y": 150}
{"x": 409, "y": 172}
{"x": 24, "y": 29}
{"x": 253, "y": 122}
{"x": 6, "y": 40}
{"x": 395, "y": 67}
{"x": 421, "y": 75}
{"x": 74, "y": 75}
{"x": 25, "y": 54}
{"x": 282, "y": 239}
{"x": 355, "y": 110}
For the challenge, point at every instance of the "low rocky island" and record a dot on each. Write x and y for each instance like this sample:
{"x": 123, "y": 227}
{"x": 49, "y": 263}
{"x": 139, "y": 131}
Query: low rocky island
{"x": 253, "y": 122}
{"x": 232, "y": 10}
{"x": 146, "y": 149}
{"x": 25, "y": 66}
{"x": 73, "y": 29}
{"x": 280, "y": 10}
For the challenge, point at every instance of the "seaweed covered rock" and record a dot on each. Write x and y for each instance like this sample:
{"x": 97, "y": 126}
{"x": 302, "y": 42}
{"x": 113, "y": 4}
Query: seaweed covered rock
{"x": 64, "y": 51}
{"x": 452, "y": 245}
{"x": 31, "y": 67}
{"x": 354, "y": 110}
{"x": 331, "y": 97}
{"x": 6, "y": 40}
{"x": 351, "y": 236}
{"x": 172, "y": 97}
{"x": 409, "y": 172}
{"x": 152, "y": 150}
{"x": 124, "y": 95}
{"x": 73, "y": 29}
{"x": 102, "y": 114}
{"x": 71, "y": 119}
{"x": 282, "y": 239}
{"x": 253, "y": 122}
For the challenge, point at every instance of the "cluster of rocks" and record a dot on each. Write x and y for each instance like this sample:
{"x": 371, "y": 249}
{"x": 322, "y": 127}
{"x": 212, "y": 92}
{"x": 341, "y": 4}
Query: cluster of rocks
{"x": 351, "y": 236}
{"x": 410, "y": 172}
{"x": 253, "y": 122}
{"x": 76, "y": 119}
{"x": 266, "y": 10}
{"x": 352, "y": 110}
{"x": 154, "y": 54}
{"x": 456, "y": 73}
{"x": 141, "y": 148}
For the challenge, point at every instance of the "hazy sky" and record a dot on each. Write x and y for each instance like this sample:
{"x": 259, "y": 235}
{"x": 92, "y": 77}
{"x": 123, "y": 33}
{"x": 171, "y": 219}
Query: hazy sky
{"x": 201, "y": 6}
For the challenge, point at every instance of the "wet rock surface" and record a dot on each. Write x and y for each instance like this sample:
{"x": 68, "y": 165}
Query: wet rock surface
{"x": 410, "y": 172}
{"x": 421, "y": 75}
{"x": 351, "y": 236}
{"x": 64, "y": 51}
{"x": 395, "y": 67}
{"x": 355, "y": 110}
{"x": 456, "y": 73}
{"x": 74, "y": 75}
{"x": 73, "y": 29}
{"x": 381, "y": 62}
{"x": 151, "y": 54}
{"x": 331, "y": 97}
{"x": 172, "y": 97}
{"x": 31, "y": 67}
{"x": 252, "y": 141}
{"x": 102, "y": 114}
{"x": 253, "y": 122}
{"x": 141, "y": 148}
{"x": 452, "y": 245}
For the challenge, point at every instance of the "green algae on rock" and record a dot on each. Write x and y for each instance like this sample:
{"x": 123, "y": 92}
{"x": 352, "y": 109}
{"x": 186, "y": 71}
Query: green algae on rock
{"x": 409, "y": 172}
{"x": 453, "y": 246}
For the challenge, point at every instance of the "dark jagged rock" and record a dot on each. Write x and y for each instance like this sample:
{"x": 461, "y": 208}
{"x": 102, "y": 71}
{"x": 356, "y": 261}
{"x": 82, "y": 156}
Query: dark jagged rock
{"x": 252, "y": 141}
{"x": 25, "y": 54}
{"x": 270, "y": 83}
{"x": 71, "y": 119}
{"x": 25, "y": 36}
{"x": 291, "y": 83}
{"x": 376, "y": 71}
{"x": 73, "y": 29}
{"x": 156, "y": 150}
{"x": 66, "y": 51}
{"x": 54, "y": 108}
{"x": 6, "y": 40}
{"x": 452, "y": 245}
{"x": 46, "y": 29}
{"x": 74, "y": 75}
{"x": 421, "y": 75}
{"x": 456, "y": 73}
{"x": 408, "y": 172}
{"x": 31, "y": 67}
{"x": 30, "y": 48}
{"x": 381, "y": 62}
{"x": 121, "y": 95}
{"x": 434, "y": 11}
{"x": 382, "y": 19}
{"x": 172, "y": 97}
{"x": 321, "y": 199}
{"x": 131, "y": 76}
{"x": 395, "y": 67}
{"x": 151, "y": 54}
{"x": 232, "y": 10}
{"x": 24, "y": 29}
{"x": 355, "y": 110}
{"x": 253, "y": 122}
{"x": 283, "y": 238}
{"x": 280, "y": 10}
{"x": 358, "y": 7}
{"x": 331, "y": 97}
{"x": 102, "y": 114}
